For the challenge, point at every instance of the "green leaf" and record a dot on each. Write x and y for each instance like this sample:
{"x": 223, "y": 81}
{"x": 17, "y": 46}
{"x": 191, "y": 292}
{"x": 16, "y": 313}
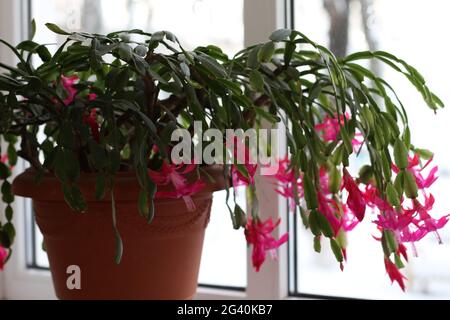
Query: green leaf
{"x": 252, "y": 61}
{"x": 12, "y": 155}
{"x": 143, "y": 203}
{"x": 125, "y": 51}
{"x": 346, "y": 139}
{"x": 9, "y": 212}
{"x": 325, "y": 225}
{"x": 212, "y": 65}
{"x": 304, "y": 217}
{"x": 390, "y": 240}
{"x": 185, "y": 69}
{"x": 5, "y": 172}
{"x": 317, "y": 246}
{"x": 334, "y": 183}
{"x": 32, "y": 29}
{"x": 9, "y": 229}
{"x": 7, "y": 195}
{"x": 266, "y": 52}
{"x": 240, "y": 218}
{"x": 256, "y": 80}
{"x": 392, "y": 195}
{"x": 410, "y": 185}
{"x": 400, "y": 154}
{"x": 310, "y": 192}
{"x": 27, "y": 45}
{"x": 280, "y": 34}
{"x": 54, "y": 28}
{"x": 314, "y": 224}
{"x": 398, "y": 183}
{"x": 336, "y": 250}
{"x": 73, "y": 197}
{"x": 424, "y": 153}
{"x": 44, "y": 53}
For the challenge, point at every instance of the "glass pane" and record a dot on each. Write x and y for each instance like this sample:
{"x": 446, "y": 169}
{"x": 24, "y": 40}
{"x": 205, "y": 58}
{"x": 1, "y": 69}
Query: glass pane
{"x": 195, "y": 22}
{"x": 418, "y": 38}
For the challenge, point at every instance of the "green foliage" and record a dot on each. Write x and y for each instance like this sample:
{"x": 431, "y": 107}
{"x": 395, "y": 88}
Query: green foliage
{"x": 147, "y": 85}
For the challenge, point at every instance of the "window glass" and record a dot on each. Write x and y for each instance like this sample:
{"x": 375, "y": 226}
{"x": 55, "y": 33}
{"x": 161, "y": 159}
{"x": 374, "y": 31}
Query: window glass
{"x": 418, "y": 37}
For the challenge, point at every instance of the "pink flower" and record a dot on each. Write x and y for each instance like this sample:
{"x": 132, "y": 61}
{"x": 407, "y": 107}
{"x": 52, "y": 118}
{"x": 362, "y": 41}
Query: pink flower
{"x": 373, "y": 200}
{"x": 402, "y": 251}
{"x": 4, "y": 158}
{"x": 241, "y": 155}
{"x": 3, "y": 257}
{"x": 242, "y": 178}
{"x": 423, "y": 183}
{"x": 424, "y": 221}
{"x": 399, "y": 223}
{"x": 68, "y": 84}
{"x": 91, "y": 96}
{"x": 349, "y": 220}
{"x": 91, "y": 121}
{"x": 330, "y": 128}
{"x": 325, "y": 208}
{"x": 355, "y": 201}
{"x": 413, "y": 164}
{"x": 286, "y": 182}
{"x": 174, "y": 174}
{"x": 394, "y": 274}
{"x": 259, "y": 235}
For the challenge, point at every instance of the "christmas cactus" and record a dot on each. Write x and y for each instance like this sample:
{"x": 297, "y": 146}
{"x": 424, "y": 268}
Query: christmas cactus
{"x": 104, "y": 104}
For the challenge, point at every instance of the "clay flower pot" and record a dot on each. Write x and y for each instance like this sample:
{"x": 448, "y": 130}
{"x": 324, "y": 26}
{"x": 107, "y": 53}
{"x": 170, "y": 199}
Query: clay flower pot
{"x": 160, "y": 260}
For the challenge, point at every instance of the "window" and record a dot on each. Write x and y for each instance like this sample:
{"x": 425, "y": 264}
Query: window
{"x": 374, "y": 25}
{"x": 355, "y": 25}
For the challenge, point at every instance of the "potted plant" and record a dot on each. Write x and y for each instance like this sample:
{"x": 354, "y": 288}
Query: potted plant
{"x": 96, "y": 121}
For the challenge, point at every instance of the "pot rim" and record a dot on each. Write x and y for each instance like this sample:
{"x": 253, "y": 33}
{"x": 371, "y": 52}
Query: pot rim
{"x": 126, "y": 186}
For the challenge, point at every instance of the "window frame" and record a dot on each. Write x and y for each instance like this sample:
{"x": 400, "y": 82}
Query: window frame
{"x": 24, "y": 281}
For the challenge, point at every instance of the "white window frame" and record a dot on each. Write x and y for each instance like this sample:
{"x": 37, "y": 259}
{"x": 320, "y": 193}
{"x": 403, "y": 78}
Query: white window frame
{"x": 261, "y": 18}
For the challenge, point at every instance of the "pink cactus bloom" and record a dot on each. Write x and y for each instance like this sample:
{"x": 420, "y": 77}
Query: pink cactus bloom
{"x": 68, "y": 84}
{"x": 174, "y": 174}
{"x": 413, "y": 167}
{"x": 285, "y": 182}
{"x": 394, "y": 274}
{"x": 424, "y": 221}
{"x": 4, "y": 158}
{"x": 259, "y": 235}
{"x": 91, "y": 96}
{"x": 242, "y": 156}
{"x": 325, "y": 208}
{"x": 91, "y": 121}
{"x": 355, "y": 201}
{"x": 243, "y": 179}
{"x": 399, "y": 223}
{"x": 3, "y": 257}
{"x": 330, "y": 128}
{"x": 373, "y": 200}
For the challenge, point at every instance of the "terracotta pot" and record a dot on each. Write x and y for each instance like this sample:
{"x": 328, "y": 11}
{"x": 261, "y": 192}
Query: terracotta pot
{"x": 160, "y": 260}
